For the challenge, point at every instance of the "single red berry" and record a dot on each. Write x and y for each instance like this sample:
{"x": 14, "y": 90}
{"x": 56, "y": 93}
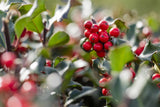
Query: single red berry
{"x": 104, "y": 37}
{"x": 8, "y": 59}
{"x": 94, "y": 28}
{"x": 103, "y": 25}
{"x": 146, "y": 31}
{"x": 48, "y": 63}
{"x": 139, "y": 50}
{"x": 114, "y": 32}
{"x": 94, "y": 38}
{"x": 29, "y": 88}
{"x": 87, "y": 46}
{"x": 87, "y": 33}
{"x": 101, "y": 53}
{"x": 98, "y": 46}
{"x": 105, "y": 92}
{"x": 87, "y": 24}
{"x": 133, "y": 73}
{"x": 155, "y": 76}
{"x": 107, "y": 45}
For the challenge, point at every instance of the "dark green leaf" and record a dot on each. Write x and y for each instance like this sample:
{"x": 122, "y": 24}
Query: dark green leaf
{"x": 58, "y": 39}
{"x": 49, "y": 70}
{"x": 67, "y": 76}
{"x": 74, "y": 84}
{"x": 38, "y": 65}
{"x": 2, "y": 39}
{"x": 101, "y": 66}
{"x": 58, "y": 60}
{"x": 117, "y": 89}
{"x": 14, "y": 1}
{"x": 118, "y": 41}
{"x": 132, "y": 36}
{"x": 156, "y": 60}
{"x": 148, "y": 51}
{"x": 77, "y": 94}
{"x": 119, "y": 56}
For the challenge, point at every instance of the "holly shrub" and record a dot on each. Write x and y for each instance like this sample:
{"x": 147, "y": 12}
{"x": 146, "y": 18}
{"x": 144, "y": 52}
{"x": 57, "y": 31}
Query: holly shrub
{"x": 74, "y": 56}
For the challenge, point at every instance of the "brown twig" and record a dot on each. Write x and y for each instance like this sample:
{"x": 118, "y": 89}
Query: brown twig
{"x": 44, "y": 34}
{"x": 6, "y": 33}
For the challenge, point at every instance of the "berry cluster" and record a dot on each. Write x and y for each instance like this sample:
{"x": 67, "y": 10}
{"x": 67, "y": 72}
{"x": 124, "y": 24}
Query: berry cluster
{"x": 98, "y": 38}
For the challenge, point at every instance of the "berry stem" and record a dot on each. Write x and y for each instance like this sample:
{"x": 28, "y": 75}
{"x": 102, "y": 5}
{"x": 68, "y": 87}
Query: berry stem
{"x": 44, "y": 34}
{"x": 93, "y": 20}
{"x": 6, "y": 33}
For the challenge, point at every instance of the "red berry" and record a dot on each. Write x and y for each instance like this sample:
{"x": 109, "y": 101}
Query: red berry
{"x": 114, "y": 32}
{"x": 29, "y": 88}
{"x": 101, "y": 53}
{"x": 88, "y": 24}
{"x": 103, "y": 81}
{"x": 94, "y": 28}
{"x": 8, "y": 59}
{"x": 94, "y": 38}
{"x": 48, "y": 63}
{"x": 103, "y": 25}
{"x": 17, "y": 101}
{"x": 155, "y": 76}
{"x": 105, "y": 92}
{"x": 87, "y": 46}
{"x": 104, "y": 37}
{"x": 133, "y": 73}
{"x": 146, "y": 31}
{"x": 107, "y": 45}
{"x": 87, "y": 33}
{"x": 98, "y": 46}
{"x": 139, "y": 50}
{"x": 8, "y": 83}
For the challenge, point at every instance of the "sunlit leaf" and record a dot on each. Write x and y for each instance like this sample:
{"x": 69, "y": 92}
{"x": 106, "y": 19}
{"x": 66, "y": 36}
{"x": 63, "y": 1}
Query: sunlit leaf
{"x": 58, "y": 39}
{"x": 119, "y": 56}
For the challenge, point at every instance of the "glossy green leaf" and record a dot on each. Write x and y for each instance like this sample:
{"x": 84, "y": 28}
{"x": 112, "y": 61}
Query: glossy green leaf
{"x": 120, "y": 24}
{"x": 49, "y": 70}
{"x": 148, "y": 51}
{"x": 58, "y": 60}
{"x": 74, "y": 84}
{"x": 77, "y": 94}
{"x": 25, "y": 8}
{"x": 32, "y": 20}
{"x": 119, "y": 56}
{"x": 58, "y": 39}
{"x": 132, "y": 36}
